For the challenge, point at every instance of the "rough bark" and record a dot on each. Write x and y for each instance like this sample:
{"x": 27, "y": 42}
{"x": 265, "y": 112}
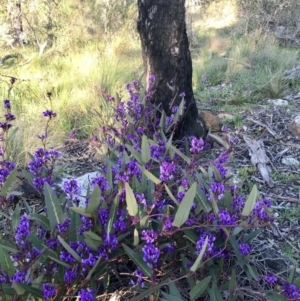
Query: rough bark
{"x": 162, "y": 28}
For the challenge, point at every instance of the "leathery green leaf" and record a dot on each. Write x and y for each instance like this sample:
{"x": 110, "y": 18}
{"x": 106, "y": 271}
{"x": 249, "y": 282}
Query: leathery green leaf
{"x": 69, "y": 249}
{"x": 6, "y": 263}
{"x": 185, "y": 206}
{"x": 250, "y": 203}
{"x": 138, "y": 260}
{"x": 8, "y": 182}
{"x": 94, "y": 201}
{"x": 196, "y": 264}
{"x": 131, "y": 201}
{"x": 199, "y": 288}
{"x": 112, "y": 213}
{"x": 54, "y": 210}
{"x": 136, "y": 237}
{"x": 182, "y": 155}
{"x": 145, "y": 149}
{"x": 150, "y": 175}
{"x": 171, "y": 195}
{"x": 16, "y": 217}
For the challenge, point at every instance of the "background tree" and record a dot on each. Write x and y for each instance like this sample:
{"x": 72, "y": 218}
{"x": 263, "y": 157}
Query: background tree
{"x": 14, "y": 11}
{"x": 162, "y": 28}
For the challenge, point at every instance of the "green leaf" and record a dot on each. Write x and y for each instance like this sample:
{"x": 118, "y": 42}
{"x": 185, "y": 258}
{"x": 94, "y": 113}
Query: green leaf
{"x": 162, "y": 121}
{"x": 6, "y": 263}
{"x": 136, "y": 237}
{"x": 29, "y": 177}
{"x": 94, "y": 201}
{"x": 32, "y": 290}
{"x": 218, "y": 177}
{"x": 273, "y": 296}
{"x": 16, "y": 217}
{"x": 59, "y": 171}
{"x": 292, "y": 274}
{"x": 92, "y": 270}
{"x": 196, "y": 264}
{"x": 174, "y": 290}
{"x": 137, "y": 258}
{"x": 134, "y": 153}
{"x": 215, "y": 294}
{"x": 183, "y": 156}
{"x": 18, "y": 288}
{"x": 59, "y": 262}
{"x": 109, "y": 175}
{"x": 171, "y": 195}
{"x": 41, "y": 220}
{"x": 250, "y": 203}
{"x": 8, "y": 182}
{"x": 252, "y": 271}
{"x": 191, "y": 235}
{"x": 92, "y": 240}
{"x": 131, "y": 201}
{"x": 54, "y": 210}
{"x": 75, "y": 224}
{"x": 199, "y": 288}
{"x": 80, "y": 211}
{"x": 219, "y": 140}
{"x": 149, "y": 291}
{"x": 203, "y": 201}
{"x": 252, "y": 235}
{"x": 150, "y": 176}
{"x": 170, "y": 297}
{"x": 69, "y": 249}
{"x": 214, "y": 205}
{"x": 232, "y": 281}
{"x": 145, "y": 149}
{"x": 185, "y": 206}
{"x": 112, "y": 213}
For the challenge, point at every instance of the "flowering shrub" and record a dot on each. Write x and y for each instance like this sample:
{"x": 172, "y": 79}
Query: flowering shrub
{"x": 154, "y": 218}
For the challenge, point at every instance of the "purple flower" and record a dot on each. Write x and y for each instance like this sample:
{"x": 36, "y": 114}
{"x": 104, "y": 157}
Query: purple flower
{"x": 290, "y": 291}
{"x": 22, "y": 231}
{"x": 71, "y": 274}
{"x": 103, "y": 215}
{"x": 166, "y": 171}
{"x": 86, "y": 295}
{"x": 225, "y": 218}
{"x": 245, "y": 249}
{"x": 271, "y": 279}
{"x": 224, "y": 128}
{"x": 6, "y": 103}
{"x": 49, "y": 113}
{"x": 182, "y": 94}
{"x": 210, "y": 244}
{"x": 218, "y": 189}
{"x": 48, "y": 290}
{"x": 87, "y": 224}
{"x": 138, "y": 280}
{"x": 149, "y": 236}
{"x": 9, "y": 117}
{"x": 71, "y": 188}
{"x": 63, "y": 227}
{"x": 19, "y": 277}
{"x": 197, "y": 145}
{"x": 151, "y": 254}
{"x": 102, "y": 183}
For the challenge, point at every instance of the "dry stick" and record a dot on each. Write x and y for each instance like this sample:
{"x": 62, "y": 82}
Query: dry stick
{"x": 285, "y": 198}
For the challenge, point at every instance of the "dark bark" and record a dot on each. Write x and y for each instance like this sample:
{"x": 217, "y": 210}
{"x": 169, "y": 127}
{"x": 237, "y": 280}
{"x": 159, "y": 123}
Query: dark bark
{"x": 165, "y": 47}
{"x": 15, "y": 13}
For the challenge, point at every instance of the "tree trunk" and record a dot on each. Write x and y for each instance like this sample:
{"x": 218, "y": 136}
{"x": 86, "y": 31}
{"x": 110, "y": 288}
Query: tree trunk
{"x": 15, "y": 13}
{"x": 165, "y": 47}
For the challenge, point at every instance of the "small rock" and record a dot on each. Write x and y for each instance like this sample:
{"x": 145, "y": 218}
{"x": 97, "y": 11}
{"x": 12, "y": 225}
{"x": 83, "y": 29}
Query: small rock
{"x": 278, "y": 102}
{"x": 211, "y": 121}
{"x": 83, "y": 182}
{"x": 290, "y": 161}
{"x": 294, "y": 127}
